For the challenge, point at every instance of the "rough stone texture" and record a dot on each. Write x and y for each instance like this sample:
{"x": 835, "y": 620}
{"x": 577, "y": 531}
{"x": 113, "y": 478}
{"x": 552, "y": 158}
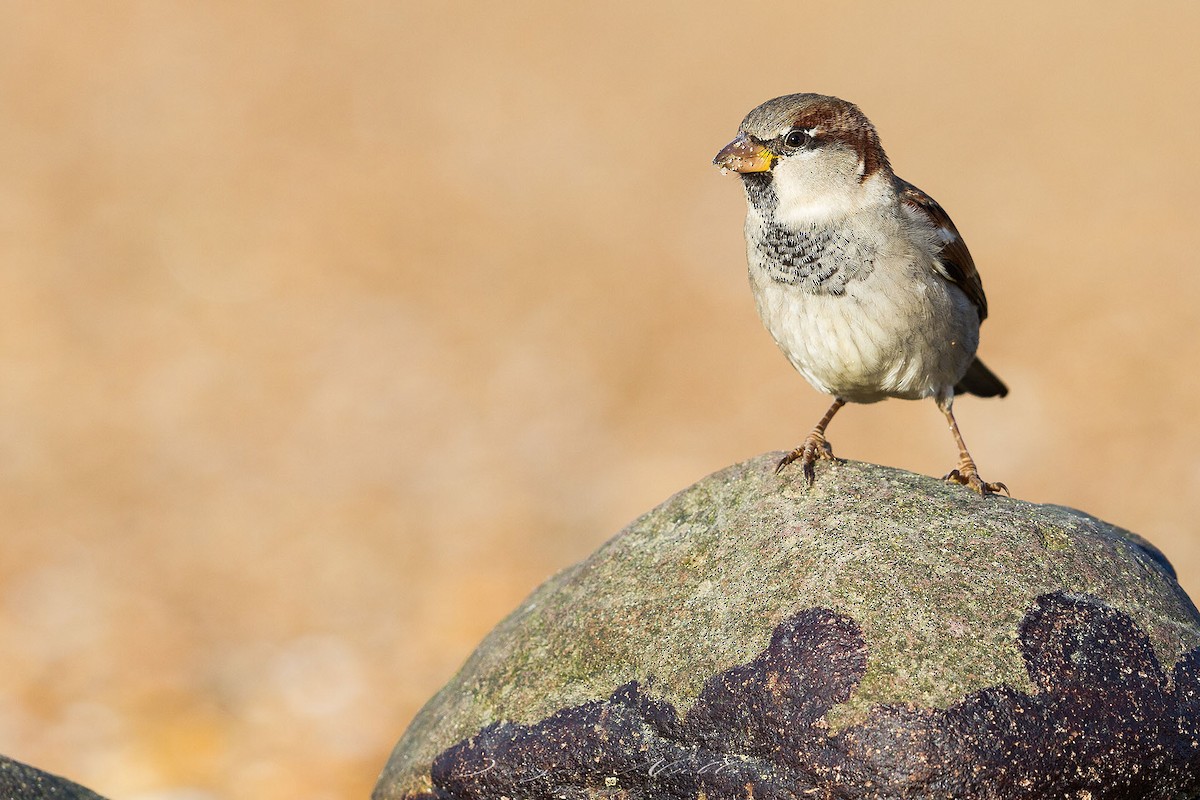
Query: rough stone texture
{"x": 882, "y": 634}
{"x": 22, "y": 782}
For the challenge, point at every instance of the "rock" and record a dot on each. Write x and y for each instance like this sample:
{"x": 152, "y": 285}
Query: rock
{"x": 22, "y": 782}
{"x": 881, "y": 634}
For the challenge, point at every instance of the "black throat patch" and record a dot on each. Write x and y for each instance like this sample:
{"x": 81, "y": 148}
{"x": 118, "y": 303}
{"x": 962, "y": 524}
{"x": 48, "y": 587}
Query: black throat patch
{"x": 820, "y": 259}
{"x": 760, "y": 192}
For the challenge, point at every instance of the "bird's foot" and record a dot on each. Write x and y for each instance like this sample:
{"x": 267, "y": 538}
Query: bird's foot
{"x": 814, "y": 447}
{"x": 968, "y": 476}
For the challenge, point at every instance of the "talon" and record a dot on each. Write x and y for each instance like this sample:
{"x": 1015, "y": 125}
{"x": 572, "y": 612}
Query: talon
{"x": 789, "y": 458}
{"x": 966, "y": 473}
{"x": 814, "y": 447}
{"x": 967, "y": 476}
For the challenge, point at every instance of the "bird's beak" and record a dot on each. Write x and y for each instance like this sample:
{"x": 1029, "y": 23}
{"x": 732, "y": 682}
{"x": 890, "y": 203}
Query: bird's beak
{"x": 744, "y": 154}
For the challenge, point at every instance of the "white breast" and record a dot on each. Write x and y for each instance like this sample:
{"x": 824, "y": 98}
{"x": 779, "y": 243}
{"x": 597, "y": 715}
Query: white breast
{"x": 900, "y": 331}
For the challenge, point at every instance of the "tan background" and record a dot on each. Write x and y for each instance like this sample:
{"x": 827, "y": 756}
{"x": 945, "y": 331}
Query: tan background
{"x": 327, "y": 330}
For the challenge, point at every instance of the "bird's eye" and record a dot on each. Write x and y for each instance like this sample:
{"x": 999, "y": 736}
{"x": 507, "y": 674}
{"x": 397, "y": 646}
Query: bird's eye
{"x": 797, "y": 138}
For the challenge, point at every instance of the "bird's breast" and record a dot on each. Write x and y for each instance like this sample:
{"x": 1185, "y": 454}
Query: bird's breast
{"x": 815, "y": 260}
{"x": 859, "y": 317}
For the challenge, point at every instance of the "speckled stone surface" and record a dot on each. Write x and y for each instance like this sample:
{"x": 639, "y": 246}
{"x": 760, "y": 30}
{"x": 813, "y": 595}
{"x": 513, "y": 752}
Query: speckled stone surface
{"x": 22, "y": 782}
{"x": 881, "y": 634}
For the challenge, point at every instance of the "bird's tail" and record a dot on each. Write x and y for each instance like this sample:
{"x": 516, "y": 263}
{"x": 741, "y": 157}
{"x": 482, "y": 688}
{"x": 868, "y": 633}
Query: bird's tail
{"x": 981, "y": 381}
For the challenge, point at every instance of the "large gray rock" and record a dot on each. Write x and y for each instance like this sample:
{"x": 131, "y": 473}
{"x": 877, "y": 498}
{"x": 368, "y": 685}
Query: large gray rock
{"x": 880, "y": 634}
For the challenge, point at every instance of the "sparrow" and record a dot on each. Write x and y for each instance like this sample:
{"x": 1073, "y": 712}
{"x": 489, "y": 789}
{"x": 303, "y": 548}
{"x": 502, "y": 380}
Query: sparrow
{"x": 859, "y": 276}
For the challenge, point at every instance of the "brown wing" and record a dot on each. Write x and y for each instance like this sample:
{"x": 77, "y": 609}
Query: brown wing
{"x": 957, "y": 266}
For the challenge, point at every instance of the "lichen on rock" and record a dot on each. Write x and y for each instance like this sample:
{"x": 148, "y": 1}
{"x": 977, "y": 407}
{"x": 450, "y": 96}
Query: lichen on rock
{"x": 880, "y": 631}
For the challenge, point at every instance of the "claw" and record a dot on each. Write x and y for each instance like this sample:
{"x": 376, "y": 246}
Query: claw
{"x": 966, "y": 473}
{"x": 970, "y": 478}
{"x": 814, "y": 447}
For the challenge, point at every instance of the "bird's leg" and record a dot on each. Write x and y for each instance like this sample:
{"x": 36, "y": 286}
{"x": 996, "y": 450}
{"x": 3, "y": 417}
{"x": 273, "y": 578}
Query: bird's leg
{"x": 814, "y": 446}
{"x": 965, "y": 473}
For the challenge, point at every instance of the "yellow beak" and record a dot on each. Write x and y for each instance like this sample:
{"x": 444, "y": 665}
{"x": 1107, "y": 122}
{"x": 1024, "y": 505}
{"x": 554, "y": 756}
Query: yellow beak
{"x": 744, "y": 155}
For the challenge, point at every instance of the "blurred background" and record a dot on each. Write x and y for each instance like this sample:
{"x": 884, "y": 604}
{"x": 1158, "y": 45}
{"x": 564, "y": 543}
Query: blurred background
{"x": 328, "y": 330}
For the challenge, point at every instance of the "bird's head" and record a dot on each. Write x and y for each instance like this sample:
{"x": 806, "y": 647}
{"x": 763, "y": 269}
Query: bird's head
{"x": 811, "y": 156}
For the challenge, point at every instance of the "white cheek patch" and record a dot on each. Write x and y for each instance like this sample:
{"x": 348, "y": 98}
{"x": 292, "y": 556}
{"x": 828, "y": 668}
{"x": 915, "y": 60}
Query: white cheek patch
{"x": 811, "y": 191}
{"x": 801, "y": 211}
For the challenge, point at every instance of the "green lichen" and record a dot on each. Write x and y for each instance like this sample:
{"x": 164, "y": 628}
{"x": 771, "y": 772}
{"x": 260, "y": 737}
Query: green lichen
{"x": 937, "y": 577}
{"x": 1054, "y": 537}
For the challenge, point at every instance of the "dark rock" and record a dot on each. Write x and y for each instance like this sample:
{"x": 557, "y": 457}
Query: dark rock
{"x": 881, "y": 634}
{"x": 22, "y": 782}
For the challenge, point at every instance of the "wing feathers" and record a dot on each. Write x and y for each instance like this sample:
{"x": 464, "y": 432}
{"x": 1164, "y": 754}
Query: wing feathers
{"x": 956, "y": 264}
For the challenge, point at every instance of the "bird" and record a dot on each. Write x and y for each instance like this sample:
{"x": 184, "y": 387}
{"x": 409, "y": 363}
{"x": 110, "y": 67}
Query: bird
{"x": 860, "y": 277}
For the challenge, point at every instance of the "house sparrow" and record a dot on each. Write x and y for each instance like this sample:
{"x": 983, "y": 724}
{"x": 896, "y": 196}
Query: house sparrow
{"x": 860, "y": 277}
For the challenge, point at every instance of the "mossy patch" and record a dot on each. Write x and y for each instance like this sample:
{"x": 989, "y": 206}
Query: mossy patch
{"x": 937, "y": 578}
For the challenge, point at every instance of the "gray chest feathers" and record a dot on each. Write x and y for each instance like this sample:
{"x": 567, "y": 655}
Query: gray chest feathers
{"x": 817, "y": 260}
